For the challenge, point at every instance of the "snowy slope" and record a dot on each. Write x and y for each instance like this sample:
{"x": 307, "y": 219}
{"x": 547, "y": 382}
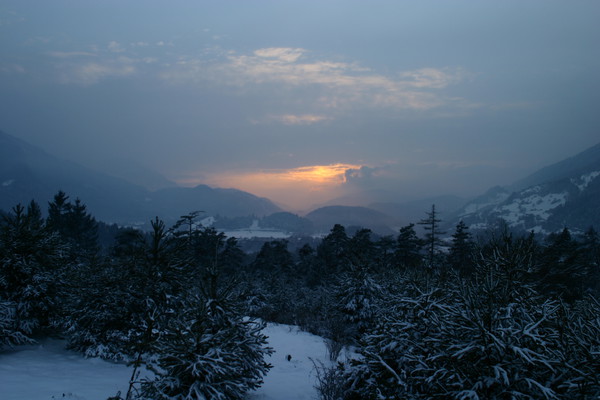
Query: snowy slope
{"x": 572, "y": 202}
{"x": 47, "y": 371}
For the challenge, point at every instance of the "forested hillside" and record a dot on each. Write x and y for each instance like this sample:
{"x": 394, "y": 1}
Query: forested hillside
{"x": 489, "y": 317}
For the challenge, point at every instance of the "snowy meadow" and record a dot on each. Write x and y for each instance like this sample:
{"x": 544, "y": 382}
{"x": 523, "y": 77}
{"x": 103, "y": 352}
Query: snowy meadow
{"x": 47, "y": 370}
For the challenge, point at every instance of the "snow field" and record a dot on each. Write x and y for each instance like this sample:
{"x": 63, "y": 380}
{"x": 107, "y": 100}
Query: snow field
{"x": 46, "y": 371}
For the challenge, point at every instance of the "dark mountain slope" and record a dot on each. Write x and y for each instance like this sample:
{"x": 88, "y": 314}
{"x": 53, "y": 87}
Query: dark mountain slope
{"x": 325, "y": 218}
{"x": 587, "y": 160}
{"x": 27, "y": 172}
{"x": 565, "y": 194}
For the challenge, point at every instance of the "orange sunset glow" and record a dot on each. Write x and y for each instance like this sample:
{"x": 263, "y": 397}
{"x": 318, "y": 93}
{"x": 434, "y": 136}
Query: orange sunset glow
{"x": 298, "y": 187}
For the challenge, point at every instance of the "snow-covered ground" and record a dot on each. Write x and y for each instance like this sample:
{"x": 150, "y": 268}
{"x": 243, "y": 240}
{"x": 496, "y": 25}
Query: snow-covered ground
{"x": 47, "y": 371}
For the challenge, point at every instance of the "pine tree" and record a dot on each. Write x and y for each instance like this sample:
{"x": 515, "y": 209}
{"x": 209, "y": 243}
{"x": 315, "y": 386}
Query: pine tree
{"x": 408, "y": 248}
{"x": 361, "y": 249}
{"x": 58, "y": 212}
{"x": 118, "y": 300}
{"x": 563, "y": 270}
{"x": 492, "y": 338}
{"x": 358, "y": 297}
{"x": 74, "y": 225}
{"x": 432, "y": 241}
{"x": 333, "y": 249}
{"x": 83, "y": 230}
{"x": 207, "y": 352}
{"x": 460, "y": 256}
{"x": 208, "y": 349}
{"x": 31, "y": 267}
{"x": 384, "y": 257}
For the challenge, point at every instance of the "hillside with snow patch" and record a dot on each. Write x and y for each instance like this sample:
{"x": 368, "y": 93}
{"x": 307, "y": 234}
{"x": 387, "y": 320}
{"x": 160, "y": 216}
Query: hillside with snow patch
{"x": 543, "y": 208}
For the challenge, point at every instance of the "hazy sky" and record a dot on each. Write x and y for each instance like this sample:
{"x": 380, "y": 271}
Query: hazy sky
{"x": 305, "y": 100}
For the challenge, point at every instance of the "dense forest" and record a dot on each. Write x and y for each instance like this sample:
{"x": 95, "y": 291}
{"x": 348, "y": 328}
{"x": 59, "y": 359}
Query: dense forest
{"x": 498, "y": 316}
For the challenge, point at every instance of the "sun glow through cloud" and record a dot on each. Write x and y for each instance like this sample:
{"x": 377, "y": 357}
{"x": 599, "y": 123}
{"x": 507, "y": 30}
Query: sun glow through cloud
{"x": 295, "y": 187}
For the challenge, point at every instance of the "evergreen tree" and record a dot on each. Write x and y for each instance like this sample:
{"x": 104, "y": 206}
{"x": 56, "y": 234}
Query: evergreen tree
{"x": 384, "y": 257}
{"x": 408, "y": 248}
{"x": 208, "y": 349}
{"x": 333, "y": 249}
{"x": 461, "y": 257}
{"x": 307, "y": 266}
{"x": 31, "y": 267}
{"x": 58, "y": 213}
{"x": 118, "y": 300}
{"x": 562, "y": 271}
{"x": 432, "y": 241}
{"x": 492, "y": 338}
{"x": 74, "y": 225}
{"x": 274, "y": 257}
{"x": 358, "y": 297}
{"x": 83, "y": 230}
{"x": 589, "y": 250}
{"x": 207, "y": 352}
{"x": 361, "y": 249}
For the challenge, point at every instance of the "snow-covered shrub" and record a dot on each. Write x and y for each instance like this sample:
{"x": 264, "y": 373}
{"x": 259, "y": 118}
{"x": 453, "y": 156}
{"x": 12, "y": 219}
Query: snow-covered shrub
{"x": 106, "y": 312}
{"x": 579, "y": 335}
{"x": 330, "y": 380}
{"x": 394, "y": 353}
{"x": 207, "y": 352}
{"x": 10, "y": 332}
{"x": 492, "y": 338}
{"x": 31, "y": 261}
{"x": 358, "y": 298}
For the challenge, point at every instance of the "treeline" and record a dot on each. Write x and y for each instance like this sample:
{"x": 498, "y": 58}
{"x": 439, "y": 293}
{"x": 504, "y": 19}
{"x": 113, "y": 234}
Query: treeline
{"x": 157, "y": 300}
{"x": 504, "y": 316}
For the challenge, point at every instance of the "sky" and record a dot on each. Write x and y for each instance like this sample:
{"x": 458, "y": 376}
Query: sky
{"x": 305, "y": 101}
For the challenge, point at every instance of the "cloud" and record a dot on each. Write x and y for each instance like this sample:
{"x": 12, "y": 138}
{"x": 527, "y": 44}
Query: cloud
{"x": 325, "y": 84}
{"x": 431, "y": 78}
{"x": 283, "y": 54}
{"x": 291, "y": 119}
{"x": 12, "y": 68}
{"x": 115, "y": 47}
{"x": 70, "y": 54}
{"x": 90, "y": 73}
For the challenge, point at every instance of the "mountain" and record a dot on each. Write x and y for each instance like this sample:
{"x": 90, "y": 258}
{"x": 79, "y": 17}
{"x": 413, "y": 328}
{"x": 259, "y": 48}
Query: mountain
{"x": 132, "y": 172}
{"x": 213, "y": 201}
{"x": 287, "y": 222}
{"x": 361, "y": 198}
{"x": 27, "y": 172}
{"x": 399, "y": 213}
{"x": 324, "y": 218}
{"x": 578, "y": 165}
{"x": 414, "y": 211}
{"x": 565, "y": 194}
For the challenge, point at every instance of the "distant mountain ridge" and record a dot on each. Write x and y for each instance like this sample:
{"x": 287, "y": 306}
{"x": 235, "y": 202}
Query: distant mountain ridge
{"x": 27, "y": 172}
{"x": 324, "y": 218}
{"x": 565, "y": 194}
{"x": 578, "y": 165}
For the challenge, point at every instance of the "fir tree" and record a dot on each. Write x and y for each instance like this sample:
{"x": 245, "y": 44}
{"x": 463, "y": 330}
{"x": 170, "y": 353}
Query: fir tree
{"x": 408, "y": 248}
{"x": 74, "y": 225}
{"x": 333, "y": 249}
{"x": 460, "y": 256}
{"x": 563, "y": 270}
{"x": 31, "y": 266}
{"x": 208, "y": 349}
{"x": 432, "y": 241}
